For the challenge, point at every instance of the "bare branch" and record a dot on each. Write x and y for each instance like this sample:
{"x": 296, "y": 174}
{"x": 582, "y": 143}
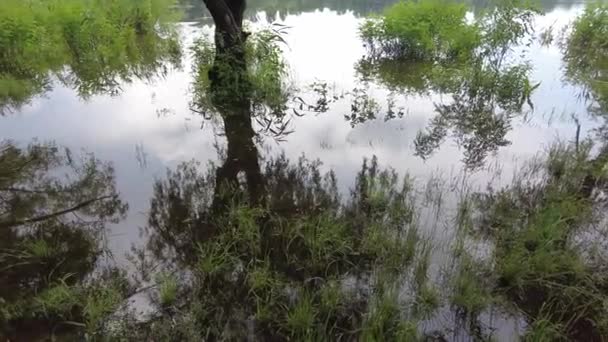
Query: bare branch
{"x": 8, "y": 224}
{"x": 30, "y": 191}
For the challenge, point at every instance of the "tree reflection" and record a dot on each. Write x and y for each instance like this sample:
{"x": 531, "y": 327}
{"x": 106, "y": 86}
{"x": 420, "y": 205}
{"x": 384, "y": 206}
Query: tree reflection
{"x": 247, "y": 270}
{"x": 262, "y": 85}
{"x": 194, "y": 9}
{"x": 52, "y": 229}
{"x": 586, "y": 57}
{"x": 485, "y": 91}
{"x": 484, "y": 102}
{"x": 268, "y": 250}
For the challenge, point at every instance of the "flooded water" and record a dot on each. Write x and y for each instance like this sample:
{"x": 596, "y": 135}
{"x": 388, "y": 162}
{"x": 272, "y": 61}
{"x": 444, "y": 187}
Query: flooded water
{"x": 448, "y": 127}
{"x": 149, "y": 127}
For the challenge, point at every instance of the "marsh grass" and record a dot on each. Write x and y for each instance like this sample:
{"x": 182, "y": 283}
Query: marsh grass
{"x": 311, "y": 265}
{"x": 306, "y": 266}
{"x": 537, "y": 263}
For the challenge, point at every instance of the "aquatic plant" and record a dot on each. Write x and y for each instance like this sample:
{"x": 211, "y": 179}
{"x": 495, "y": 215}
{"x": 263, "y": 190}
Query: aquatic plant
{"x": 540, "y": 261}
{"x": 285, "y": 265}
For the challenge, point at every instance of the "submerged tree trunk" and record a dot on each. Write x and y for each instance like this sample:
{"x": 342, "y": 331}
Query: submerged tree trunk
{"x": 231, "y": 95}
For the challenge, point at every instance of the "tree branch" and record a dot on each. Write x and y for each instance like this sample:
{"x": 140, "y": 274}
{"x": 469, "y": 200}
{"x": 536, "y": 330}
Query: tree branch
{"x": 8, "y": 224}
{"x": 31, "y": 191}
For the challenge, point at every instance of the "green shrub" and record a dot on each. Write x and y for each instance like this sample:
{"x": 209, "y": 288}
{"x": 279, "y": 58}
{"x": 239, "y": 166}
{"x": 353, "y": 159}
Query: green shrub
{"x": 422, "y": 30}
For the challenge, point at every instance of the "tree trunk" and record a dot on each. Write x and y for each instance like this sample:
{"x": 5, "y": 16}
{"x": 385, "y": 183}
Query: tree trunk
{"x": 228, "y": 18}
{"x": 231, "y": 94}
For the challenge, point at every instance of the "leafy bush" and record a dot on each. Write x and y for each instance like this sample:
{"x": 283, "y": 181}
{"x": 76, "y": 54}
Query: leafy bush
{"x": 422, "y": 30}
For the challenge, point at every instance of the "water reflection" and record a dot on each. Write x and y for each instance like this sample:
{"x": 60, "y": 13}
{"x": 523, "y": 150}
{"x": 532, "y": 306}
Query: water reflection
{"x": 269, "y": 253}
{"x": 53, "y": 228}
{"x": 486, "y": 91}
{"x": 206, "y": 226}
{"x": 194, "y": 9}
{"x": 586, "y": 58}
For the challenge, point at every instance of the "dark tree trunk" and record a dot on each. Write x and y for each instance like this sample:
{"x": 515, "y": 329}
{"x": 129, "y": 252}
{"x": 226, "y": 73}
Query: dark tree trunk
{"x": 242, "y": 156}
{"x": 231, "y": 93}
{"x": 228, "y": 18}
{"x": 228, "y": 75}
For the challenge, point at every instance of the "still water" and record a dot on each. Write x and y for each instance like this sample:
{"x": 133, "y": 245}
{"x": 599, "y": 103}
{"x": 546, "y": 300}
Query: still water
{"x": 149, "y": 127}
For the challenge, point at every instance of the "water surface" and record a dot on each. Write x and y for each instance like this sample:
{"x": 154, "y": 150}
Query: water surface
{"x": 149, "y": 127}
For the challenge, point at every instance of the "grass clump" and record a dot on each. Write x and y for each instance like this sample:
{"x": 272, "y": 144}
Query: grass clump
{"x": 470, "y": 294}
{"x": 384, "y": 321}
{"x": 302, "y": 264}
{"x": 538, "y": 262}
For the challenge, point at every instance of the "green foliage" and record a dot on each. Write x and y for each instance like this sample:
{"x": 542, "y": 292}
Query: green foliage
{"x": 264, "y": 83}
{"x": 438, "y": 31}
{"x": 469, "y": 290}
{"x": 544, "y": 331}
{"x": 58, "y": 299}
{"x": 288, "y": 262}
{"x": 427, "y": 302}
{"x": 300, "y": 320}
{"x": 385, "y": 321}
{"x": 537, "y": 264}
{"x": 89, "y": 45}
{"x": 409, "y": 52}
{"x": 168, "y": 288}
{"x": 422, "y": 30}
{"x": 54, "y": 210}
{"x": 586, "y": 54}
{"x": 100, "y": 302}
